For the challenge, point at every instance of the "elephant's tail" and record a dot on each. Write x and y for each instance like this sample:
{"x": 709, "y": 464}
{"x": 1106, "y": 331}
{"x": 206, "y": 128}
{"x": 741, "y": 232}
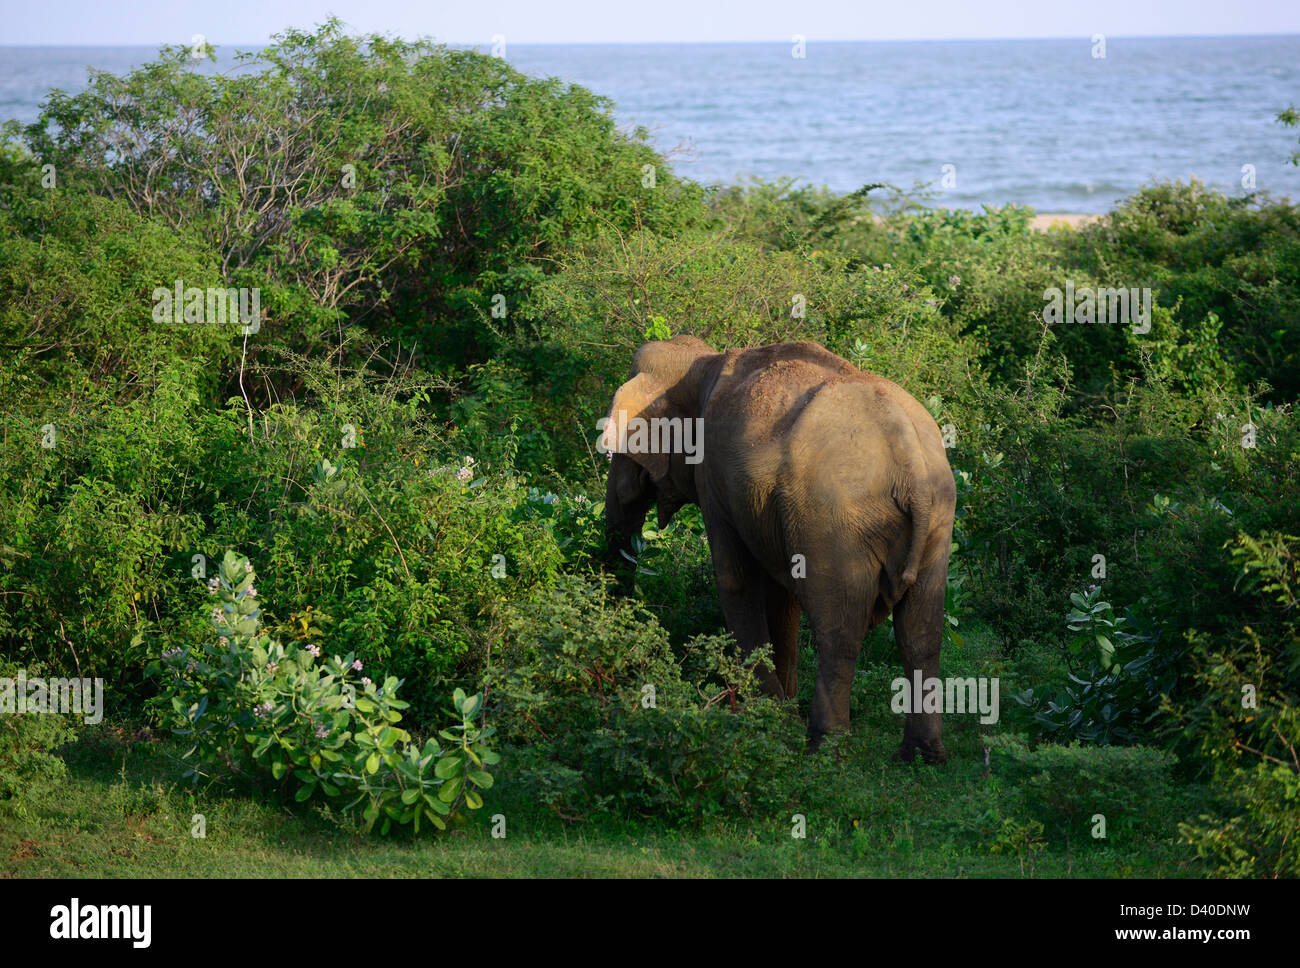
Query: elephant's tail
{"x": 920, "y": 509}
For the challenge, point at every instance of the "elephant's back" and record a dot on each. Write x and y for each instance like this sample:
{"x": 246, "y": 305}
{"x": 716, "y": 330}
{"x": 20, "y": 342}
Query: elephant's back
{"x": 820, "y": 455}
{"x": 808, "y": 434}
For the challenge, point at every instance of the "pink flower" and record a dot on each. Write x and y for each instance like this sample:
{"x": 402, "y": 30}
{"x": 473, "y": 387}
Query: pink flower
{"x": 357, "y": 665}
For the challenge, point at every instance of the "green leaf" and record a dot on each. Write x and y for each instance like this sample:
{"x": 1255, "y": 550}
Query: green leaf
{"x": 447, "y": 766}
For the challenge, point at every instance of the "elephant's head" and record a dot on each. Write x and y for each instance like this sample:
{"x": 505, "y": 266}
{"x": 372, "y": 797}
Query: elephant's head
{"x": 669, "y": 386}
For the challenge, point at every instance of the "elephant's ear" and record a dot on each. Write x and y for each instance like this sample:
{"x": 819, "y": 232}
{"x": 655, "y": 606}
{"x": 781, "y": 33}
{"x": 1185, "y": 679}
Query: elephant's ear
{"x": 639, "y": 399}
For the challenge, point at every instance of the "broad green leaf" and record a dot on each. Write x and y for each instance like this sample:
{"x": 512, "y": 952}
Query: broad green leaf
{"x": 447, "y": 766}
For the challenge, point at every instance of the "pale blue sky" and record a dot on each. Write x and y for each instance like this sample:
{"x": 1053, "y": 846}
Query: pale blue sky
{"x": 95, "y": 22}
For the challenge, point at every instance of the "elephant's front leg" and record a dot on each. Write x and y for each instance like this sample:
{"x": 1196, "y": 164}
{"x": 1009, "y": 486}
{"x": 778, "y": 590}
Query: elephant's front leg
{"x": 783, "y": 613}
{"x": 742, "y": 590}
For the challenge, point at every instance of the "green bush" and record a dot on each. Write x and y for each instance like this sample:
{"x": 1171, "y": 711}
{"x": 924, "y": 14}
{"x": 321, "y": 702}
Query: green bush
{"x": 601, "y": 714}
{"x": 254, "y": 707}
{"x": 1124, "y": 672}
{"x": 1051, "y": 489}
{"x": 358, "y": 502}
{"x": 77, "y": 276}
{"x": 1065, "y": 787}
{"x": 370, "y": 177}
{"x": 29, "y": 761}
{"x": 1242, "y": 720}
{"x": 1229, "y": 264}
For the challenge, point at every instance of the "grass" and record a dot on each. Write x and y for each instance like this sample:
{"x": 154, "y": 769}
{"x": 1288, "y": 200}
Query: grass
{"x": 121, "y": 813}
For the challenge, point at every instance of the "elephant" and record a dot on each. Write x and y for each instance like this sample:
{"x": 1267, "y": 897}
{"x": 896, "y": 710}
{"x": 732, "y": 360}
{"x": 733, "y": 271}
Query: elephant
{"x": 824, "y": 490}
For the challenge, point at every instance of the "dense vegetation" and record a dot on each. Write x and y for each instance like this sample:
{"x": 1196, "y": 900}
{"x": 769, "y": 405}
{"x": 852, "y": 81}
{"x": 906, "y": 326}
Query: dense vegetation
{"x": 455, "y": 263}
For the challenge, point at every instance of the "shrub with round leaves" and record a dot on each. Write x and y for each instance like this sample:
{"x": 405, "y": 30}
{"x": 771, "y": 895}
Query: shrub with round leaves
{"x": 256, "y": 707}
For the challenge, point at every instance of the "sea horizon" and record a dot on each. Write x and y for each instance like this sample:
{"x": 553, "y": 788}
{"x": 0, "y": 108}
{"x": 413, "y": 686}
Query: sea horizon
{"x": 1042, "y": 122}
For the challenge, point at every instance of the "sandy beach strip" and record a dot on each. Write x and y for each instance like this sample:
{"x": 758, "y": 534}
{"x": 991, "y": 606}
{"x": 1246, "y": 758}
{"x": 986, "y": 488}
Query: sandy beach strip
{"x": 1041, "y": 223}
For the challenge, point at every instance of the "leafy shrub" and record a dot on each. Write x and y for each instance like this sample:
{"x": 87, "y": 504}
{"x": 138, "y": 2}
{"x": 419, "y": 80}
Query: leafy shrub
{"x": 1124, "y": 673}
{"x": 1223, "y": 261}
{"x": 77, "y": 273}
{"x": 394, "y": 539}
{"x": 1244, "y": 720}
{"x": 256, "y": 707}
{"x": 1050, "y": 489}
{"x": 375, "y": 176}
{"x": 602, "y": 716}
{"x": 409, "y": 561}
{"x": 1022, "y": 838}
{"x": 29, "y": 761}
{"x": 1063, "y": 787}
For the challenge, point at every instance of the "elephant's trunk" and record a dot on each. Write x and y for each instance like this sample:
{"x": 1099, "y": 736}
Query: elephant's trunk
{"x": 628, "y": 498}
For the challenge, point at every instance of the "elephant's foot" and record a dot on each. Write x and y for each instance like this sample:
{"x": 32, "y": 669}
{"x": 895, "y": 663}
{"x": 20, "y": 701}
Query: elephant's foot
{"x": 932, "y": 753}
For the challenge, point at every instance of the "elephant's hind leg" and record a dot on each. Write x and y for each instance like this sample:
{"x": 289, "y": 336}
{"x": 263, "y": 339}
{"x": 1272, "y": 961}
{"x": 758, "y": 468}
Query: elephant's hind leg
{"x": 839, "y": 624}
{"x": 918, "y": 630}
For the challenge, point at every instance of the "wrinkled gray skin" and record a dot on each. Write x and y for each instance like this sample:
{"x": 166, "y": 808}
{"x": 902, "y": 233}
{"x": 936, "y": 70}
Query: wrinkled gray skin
{"x": 803, "y": 454}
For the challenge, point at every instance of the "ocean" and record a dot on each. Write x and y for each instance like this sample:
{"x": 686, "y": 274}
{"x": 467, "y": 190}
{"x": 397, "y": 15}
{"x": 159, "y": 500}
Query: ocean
{"x": 1037, "y": 122}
